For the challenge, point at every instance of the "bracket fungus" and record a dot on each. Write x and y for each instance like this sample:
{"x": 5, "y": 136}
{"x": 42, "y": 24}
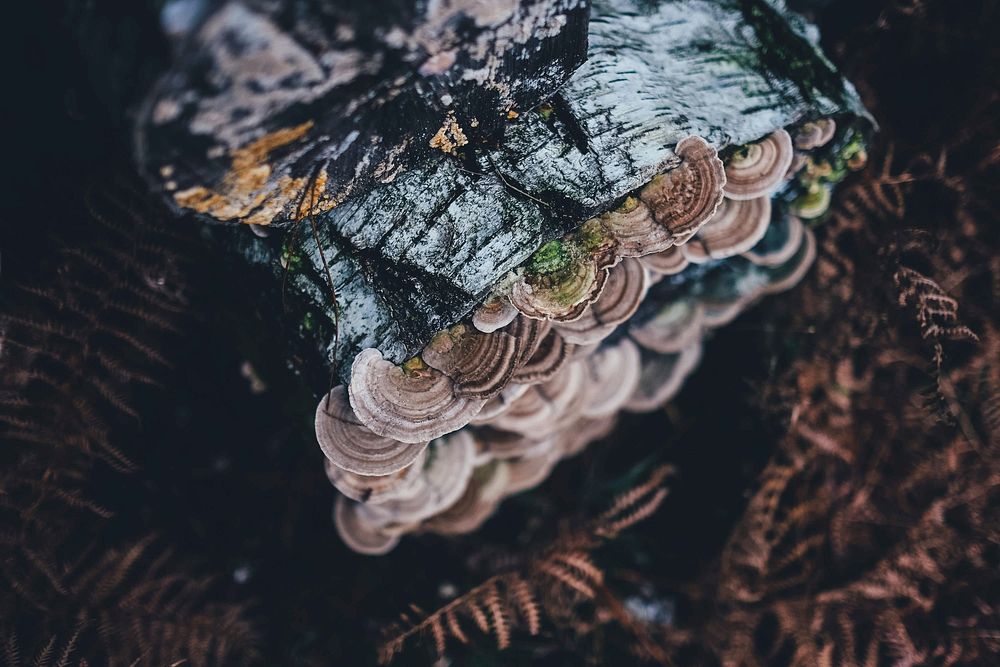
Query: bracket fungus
{"x": 415, "y": 403}
{"x": 676, "y": 326}
{"x": 661, "y": 378}
{"x": 612, "y": 374}
{"x": 479, "y": 364}
{"x": 815, "y": 134}
{"x": 398, "y": 239}
{"x": 375, "y": 489}
{"x": 500, "y": 403}
{"x": 683, "y": 199}
{"x": 666, "y": 262}
{"x": 585, "y": 431}
{"x": 559, "y": 283}
{"x": 352, "y": 446}
{"x": 780, "y": 243}
{"x": 756, "y": 170}
{"x": 624, "y": 291}
{"x": 360, "y": 535}
{"x": 495, "y": 313}
{"x": 528, "y": 472}
{"x": 736, "y": 228}
{"x": 507, "y": 445}
{"x": 551, "y": 354}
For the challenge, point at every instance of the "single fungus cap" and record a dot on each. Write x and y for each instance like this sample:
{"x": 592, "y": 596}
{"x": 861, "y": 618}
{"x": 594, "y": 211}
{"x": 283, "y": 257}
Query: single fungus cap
{"x": 612, "y": 374}
{"x": 662, "y": 377}
{"x": 479, "y": 364}
{"x": 552, "y": 354}
{"x": 678, "y": 325}
{"x": 685, "y": 198}
{"x": 737, "y": 227}
{"x": 495, "y": 313}
{"x": 757, "y": 169}
{"x": 358, "y": 534}
{"x": 412, "y": 405}
{"x": 667, "y": 262}
{"x": 815, "y": 134}
{"x": 352, "y": 446}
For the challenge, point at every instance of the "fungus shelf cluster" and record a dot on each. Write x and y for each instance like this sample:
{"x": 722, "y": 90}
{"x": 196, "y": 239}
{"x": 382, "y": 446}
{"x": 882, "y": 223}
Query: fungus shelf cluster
{"x": 608, "y": 318}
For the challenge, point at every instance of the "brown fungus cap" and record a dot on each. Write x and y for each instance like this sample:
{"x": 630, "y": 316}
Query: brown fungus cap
{"x": 585, "y": 431}
{"x": 359, "y": 535}
{"x": 539, "y": 411}
{"x": 506, "y": 444}
{"x": 415, "y": 403}
{"x": 529, "y": 334}
{"x": 737, "y": 227}
{"x": 719, "y": 312}
{"x": 562, "y": 295}
{"x": 781, "y": 253}
{"x": 375, "y": 489}
{"x": 445, "y": 477}
{"x": 677, "y": 326}
{"x": 815, "y": 134}
{"x": 636, "y": 231}
{"x": 500, "y": 403}
{"x": 612, "y": 374}
{"x": 525, "y": 416}
{"x": 352, "y": 446}
{"x": 622, "y": 295}
{"x": 479, "y": 364}
{"x": 552, "y": 353}
{"x": 476, "y": 505}
{"x": 667, "y": 262}
{"x": 755, "y": 170}
{"x": 686, "y": 197}
{"x": 528, "y": 472}
{"x": 795, "y": 269}
{"x": 662, "y": 377}
{"x": 495, "y": 313}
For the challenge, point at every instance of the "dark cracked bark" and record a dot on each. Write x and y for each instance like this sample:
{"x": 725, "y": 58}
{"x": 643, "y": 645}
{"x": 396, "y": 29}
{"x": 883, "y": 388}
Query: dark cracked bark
{"x": 416, "y": 153}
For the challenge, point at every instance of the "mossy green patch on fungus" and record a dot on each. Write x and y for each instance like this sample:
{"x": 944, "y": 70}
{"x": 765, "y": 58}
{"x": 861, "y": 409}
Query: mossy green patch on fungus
{"x": 592, "y": 237}
{"x": 552, "y": 257}
{"x": 630, "y": 204}
{"x": 808, "y": 195}
{"x": 814, "y": 203}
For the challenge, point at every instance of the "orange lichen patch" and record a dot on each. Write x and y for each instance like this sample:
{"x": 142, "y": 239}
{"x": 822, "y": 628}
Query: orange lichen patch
{"x": 246, "y": 192}
{"x": 511, "y": 114}
{"x": 450, "y": 136}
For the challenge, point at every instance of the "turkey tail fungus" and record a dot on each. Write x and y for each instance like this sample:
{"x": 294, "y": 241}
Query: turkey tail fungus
{"x": 311, "y": 309}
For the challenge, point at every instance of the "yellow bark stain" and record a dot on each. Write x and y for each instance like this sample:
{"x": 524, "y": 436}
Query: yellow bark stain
{"x": 450, "y": 136}
{"x": 248, "y": 194}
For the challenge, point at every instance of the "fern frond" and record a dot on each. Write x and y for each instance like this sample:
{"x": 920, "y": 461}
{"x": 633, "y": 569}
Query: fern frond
{"x": 566, "y": 566}
{"x": 501, "y": 628}
{"x": 527, "y": 605}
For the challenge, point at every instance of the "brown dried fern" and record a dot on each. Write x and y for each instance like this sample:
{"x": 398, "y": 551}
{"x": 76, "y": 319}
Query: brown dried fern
{"x": 86, "y": 330}
{"x": 517, "y": 598}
